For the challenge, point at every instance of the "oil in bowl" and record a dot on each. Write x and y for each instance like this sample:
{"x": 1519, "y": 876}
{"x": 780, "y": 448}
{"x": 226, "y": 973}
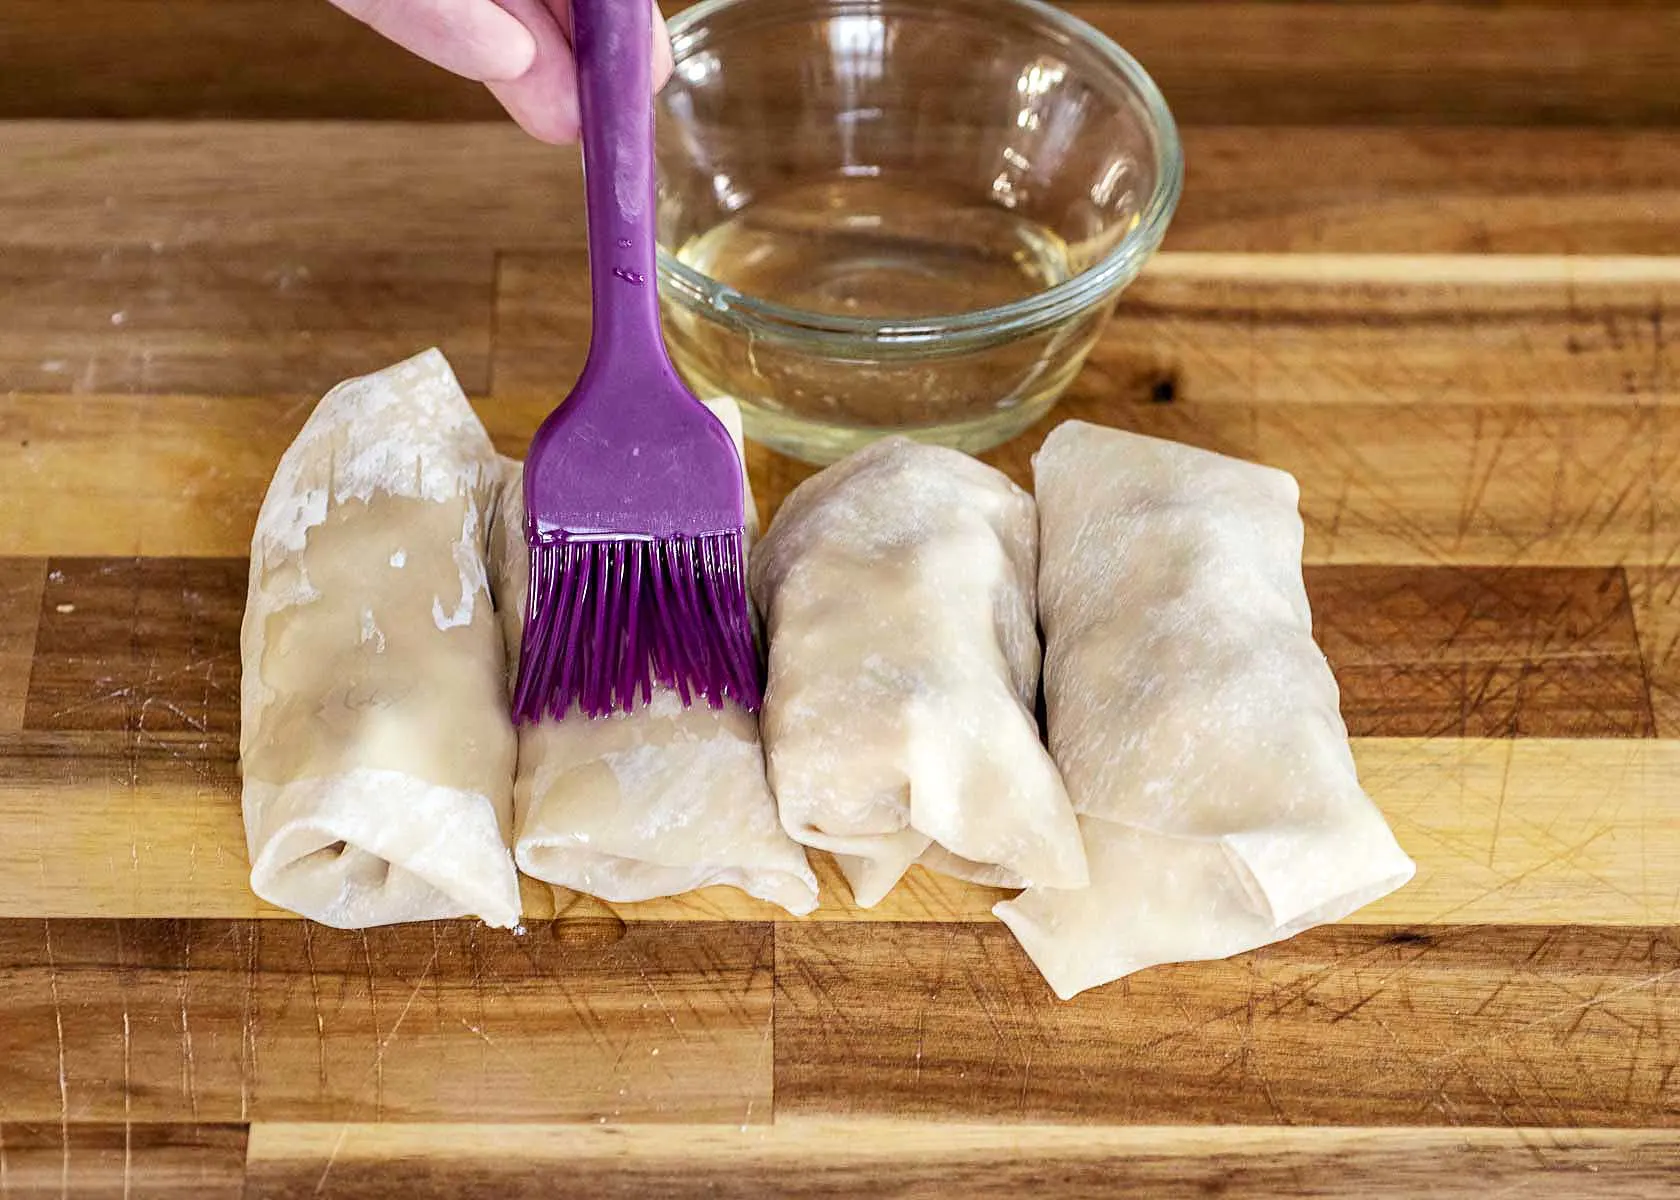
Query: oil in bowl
{"x": 900, "y": 216}
{"x": 871, "y": 247}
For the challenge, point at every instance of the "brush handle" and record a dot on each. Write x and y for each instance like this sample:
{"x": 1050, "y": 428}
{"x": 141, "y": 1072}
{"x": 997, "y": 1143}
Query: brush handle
{"x": 613, "y": 43}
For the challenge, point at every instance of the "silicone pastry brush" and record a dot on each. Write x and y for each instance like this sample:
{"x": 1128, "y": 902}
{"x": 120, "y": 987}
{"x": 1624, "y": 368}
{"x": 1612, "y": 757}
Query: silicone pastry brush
{"x": 633, "y": 493}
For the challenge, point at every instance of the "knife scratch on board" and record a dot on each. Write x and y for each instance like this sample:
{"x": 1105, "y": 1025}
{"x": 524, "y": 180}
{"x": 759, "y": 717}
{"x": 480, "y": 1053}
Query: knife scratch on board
{"x": 189, "y": 1083}
{"x": 63, "y": 1075}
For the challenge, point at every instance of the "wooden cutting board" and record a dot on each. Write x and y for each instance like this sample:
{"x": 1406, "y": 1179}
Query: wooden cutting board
{"x": 1484, "y": 430}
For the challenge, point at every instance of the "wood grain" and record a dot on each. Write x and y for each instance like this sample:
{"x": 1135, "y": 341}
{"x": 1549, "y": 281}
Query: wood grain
{"x": 542, "y": 323}
{"x": 1398, "y": 482}
{"x": 132, "y": 710}
{"x": 1655, "y": 595}
{"x": 816, "y": 1160}
{"x": 138, "y": 475}
{"x": 151, "y": 645}
{"x": 1470, "y": 394}
{"x": 1473, "y": 652}
{"x": 1340, "y": 1026}
{"x": 316, "y": 185}
{"x": 1408, "y": 482}
{"x": 1327, "y": 329}
{"x": 278, "y": 321}
{"x": 141, "y": 644}
{"x": 21, "y": 582}
{"x": 1283, "y": 329}
{"x": 1256, "y": 61}
{"x": 94, "y": 1161}
{"x": 1439, "y": 191}
{"x": 372, "y": 187}
{"x": 233, "y": 1021}
{"x": 1506, "y": 831}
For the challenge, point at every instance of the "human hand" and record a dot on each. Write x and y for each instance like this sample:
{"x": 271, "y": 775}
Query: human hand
{"x": 521, "y": 49}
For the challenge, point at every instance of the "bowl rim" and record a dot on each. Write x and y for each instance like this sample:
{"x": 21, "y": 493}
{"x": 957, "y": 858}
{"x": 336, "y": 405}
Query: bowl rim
{"x": 955, "y": 332}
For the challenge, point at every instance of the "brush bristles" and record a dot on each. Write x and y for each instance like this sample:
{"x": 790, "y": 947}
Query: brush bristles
{"x": 607, "y": 620}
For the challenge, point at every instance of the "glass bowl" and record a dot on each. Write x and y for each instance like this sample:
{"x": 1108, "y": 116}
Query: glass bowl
{"x": 900, "y": 216}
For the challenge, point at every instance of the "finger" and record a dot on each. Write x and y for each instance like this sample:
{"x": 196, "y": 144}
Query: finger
{"x": 544, "y": 100}
{"x": 475, "y": 38}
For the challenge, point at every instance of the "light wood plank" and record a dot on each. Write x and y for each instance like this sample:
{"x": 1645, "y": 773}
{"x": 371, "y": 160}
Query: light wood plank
{"x": 1520, "y": 831}
{"x": 377, "y": 186}
{"x": 803, "y": 1159}
{"x": 134, "y": 1162}
{"x": 21, "y": 583}
{"x": 1488, "y": 1025}
{"x": 287, "y": 321}
{"x": 313, "y": 184}
{"x": 1505, "y": 483}
{"x": 1390, "y": 482}
{"x": 132, "y": 475}
{"x": 234, "y": 1021}
{"x": 1325, "y": 61}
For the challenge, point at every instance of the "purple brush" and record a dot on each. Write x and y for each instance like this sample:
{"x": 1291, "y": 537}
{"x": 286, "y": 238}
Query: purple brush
{"x": 634, "y": 505}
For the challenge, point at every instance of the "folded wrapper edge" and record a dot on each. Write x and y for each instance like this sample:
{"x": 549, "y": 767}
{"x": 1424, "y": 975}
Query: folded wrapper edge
{"x": 442, "y": 850}
{"x": 1161, "y": 899}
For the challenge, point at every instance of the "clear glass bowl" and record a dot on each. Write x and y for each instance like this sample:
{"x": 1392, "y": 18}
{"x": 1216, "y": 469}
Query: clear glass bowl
{"x": 900, "y": 216}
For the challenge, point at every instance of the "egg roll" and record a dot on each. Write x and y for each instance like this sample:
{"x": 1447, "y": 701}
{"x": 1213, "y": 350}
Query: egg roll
{"x": 1195, "y": 721}
{"x": 655, "y": 802}
{"x": 898, "y": 590}
{"x": 376, "y": 751}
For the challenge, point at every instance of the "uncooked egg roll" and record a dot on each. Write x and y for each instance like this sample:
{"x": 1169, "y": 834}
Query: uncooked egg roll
{"x": 375, "y": 745}
{"x": 897, "y": 587}
{"x": 1194, "y": 719}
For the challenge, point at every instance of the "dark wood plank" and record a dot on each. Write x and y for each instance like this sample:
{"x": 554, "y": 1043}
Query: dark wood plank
{"x": 812, "y": 1160}
{"x": 219, "y": 58}
{"x": 487, "y": 186}
{"x": 139, "y": 644}
{"x": 1487, "y": 1025}
{"x": 1476, "y": 652}
{"x": 1656, "y": 606}
{"x": 285, "y": 1020}
{"x": 21, "y": 583}
{"x": 1260, "y": 60}
{"x": 151, "y": 646}
{"x": 1414, "y": 63}
{"x": 1324, "y": 329}
{"x": 131, "y": 1161}
{"x": 279, "y": 321}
